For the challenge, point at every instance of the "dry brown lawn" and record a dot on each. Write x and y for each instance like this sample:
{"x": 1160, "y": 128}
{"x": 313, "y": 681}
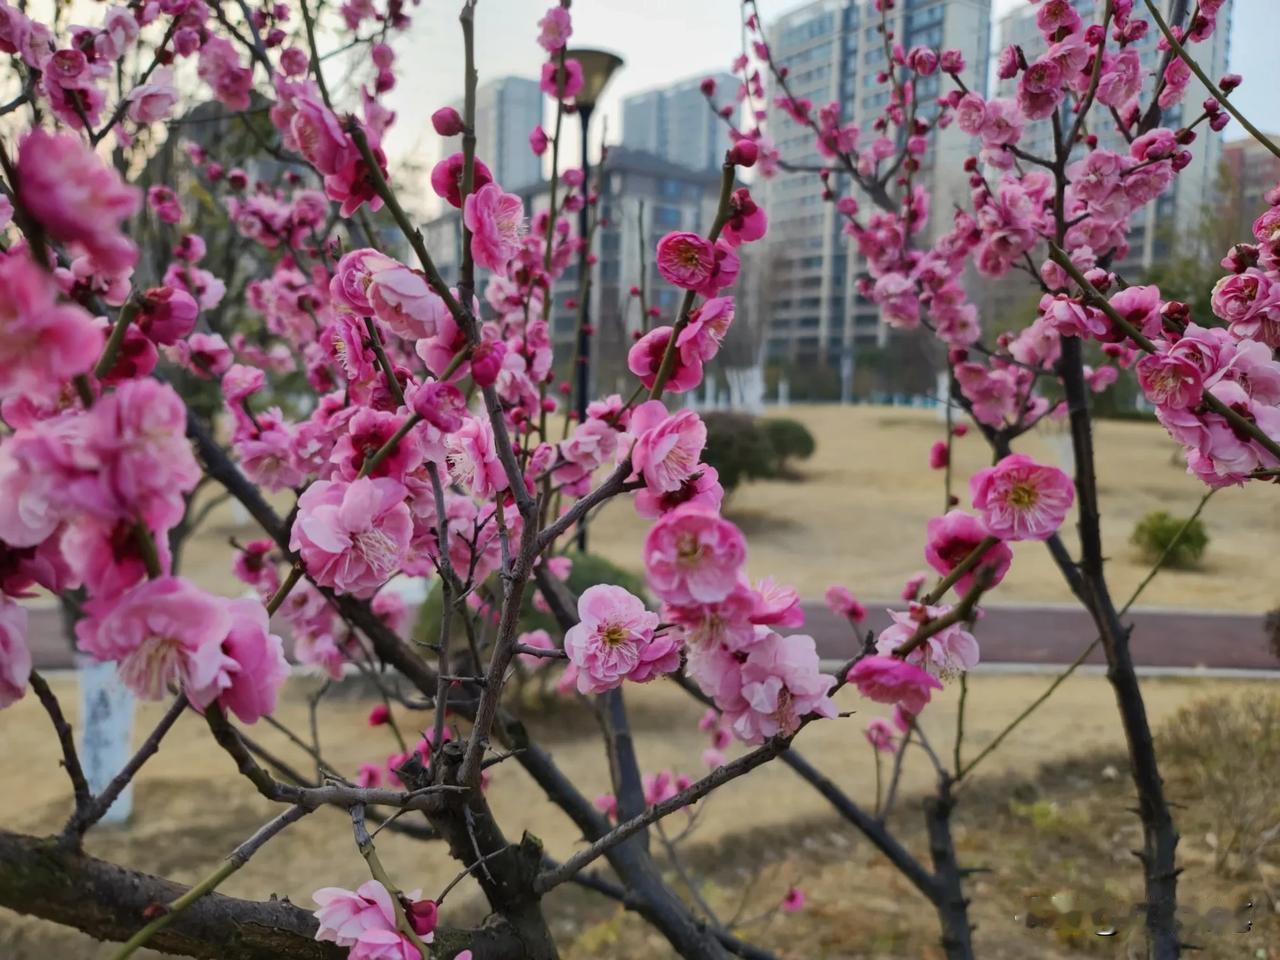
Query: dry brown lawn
{"x": 191, "y": 809}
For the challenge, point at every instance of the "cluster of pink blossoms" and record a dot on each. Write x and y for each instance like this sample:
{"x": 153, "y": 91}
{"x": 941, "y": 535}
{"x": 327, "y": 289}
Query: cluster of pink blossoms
{"x": 364, "y": 919}
{"x": 90, "y": 490}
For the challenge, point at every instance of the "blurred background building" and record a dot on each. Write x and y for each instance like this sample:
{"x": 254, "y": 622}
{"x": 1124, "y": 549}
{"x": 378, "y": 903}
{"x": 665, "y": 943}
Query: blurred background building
{"x": 507, "y": 110}
{"x": 675, "y": 123}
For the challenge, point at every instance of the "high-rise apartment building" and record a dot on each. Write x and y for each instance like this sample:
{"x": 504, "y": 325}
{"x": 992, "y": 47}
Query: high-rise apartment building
{"x": 805, "y": 270}
{"x": 1171, "y": 225}
{"x": 1250, "y": 170}
{"x": 507, "y": 110}
{"x": 675, "y": 123}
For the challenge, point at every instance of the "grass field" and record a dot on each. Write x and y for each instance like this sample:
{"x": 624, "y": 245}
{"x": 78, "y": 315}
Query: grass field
{"x": 191, "y": 809}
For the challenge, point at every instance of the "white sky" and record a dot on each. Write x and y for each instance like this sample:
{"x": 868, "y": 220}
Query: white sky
{"x": 667, "y": 40}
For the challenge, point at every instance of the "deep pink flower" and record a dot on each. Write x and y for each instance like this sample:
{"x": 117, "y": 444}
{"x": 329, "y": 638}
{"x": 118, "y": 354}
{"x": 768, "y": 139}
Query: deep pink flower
{"x": 447, "y": 122}
{"x": 563, "y": 84}
{"x": 952, "y": 537}
{"x": 782, "y": 683}
{"x": 496, "y": 222}
{"x": 614, "y": 641}
{"x": 77, "y": 198}
{"x": 352, "y": 536}
{"x": 43, "y": 343}
{"x": 890, "y": 680}
{"x": 554, "y": 29}
{"x": 951, "y": 649}
{"x": 538, "y": 141}
{"x": 686, "y": 259}
{"x": 145, "y": 463}
{"x": 692, "y": 555}
{"x": 249, "y": 684}
{"x": 667, "y": 446}
{"x": 793, "y": 902}
{"x": 162, "y": 631}
{"x": 911, "y": 589}
{"x": 841, "y": 602}
{"x": 1170, "y": 380}
{"x": 645, "y": 359}
{"x": 446, "y": 178}
{"x": 939, "y": 455}
{"x": 166, "y": 314}
{"x": 486, "y": 362}
{"x": 747, "y": 221}
{"x": 701, "y": 488}
{"x": 1021, "y": 499}
{"x": 15, "y": 657}
{"x": 440, "y": 404}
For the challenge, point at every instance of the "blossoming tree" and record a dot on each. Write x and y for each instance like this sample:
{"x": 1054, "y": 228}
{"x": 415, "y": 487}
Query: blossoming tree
{"x": 427, "y": 446}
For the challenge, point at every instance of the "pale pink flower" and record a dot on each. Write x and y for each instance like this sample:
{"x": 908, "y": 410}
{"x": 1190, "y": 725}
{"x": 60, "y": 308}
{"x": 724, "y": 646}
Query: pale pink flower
{"x": 880, "y": 734}
{"x": 776, "y": 605}
{"x": 249, "y": 684}
{"x": 667, "y": 447}
{"x": 952, "y": 537}
{"x": 353, "y": 536}
{"x": 43, "y": 343}
{"x": 496, "y": 222}
{"x": 534, "y": 638}
{"x": 15, "y": 657}
{"x": 614, "y": 641}
{"x": 911, "y": 589}
{"x": 723, "y": 623}
{"x": 77, "y": 198}
{"x": 354, "y": 276}
{"x": 686, "y": 259}
{"x": 708, "y": 325}
{"x": 403, "y": 301}
{"x": 154, "y": 100}
{"x": 1021, "y": 499}
{"x": 362, "y": 919}
{"x": 473, "y": 458}
{"x": 554, "y": 29}
{"x": 782, "y": 683}
{"x": 162, "y": 631}
{"x": 692, "y": 556}
{"x": 890, "y": 680}
{"x": 440, "y": 404}
{"x": 951, "y": 649}
{"x": 841, "y": 602}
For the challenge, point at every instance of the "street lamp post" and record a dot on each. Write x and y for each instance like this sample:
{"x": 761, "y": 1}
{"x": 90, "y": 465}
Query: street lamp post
{"x": 597, "y": 67}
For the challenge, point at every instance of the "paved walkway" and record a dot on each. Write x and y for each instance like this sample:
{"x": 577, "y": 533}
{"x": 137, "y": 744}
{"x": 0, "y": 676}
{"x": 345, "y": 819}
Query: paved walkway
{"x": 1045, "y": 635}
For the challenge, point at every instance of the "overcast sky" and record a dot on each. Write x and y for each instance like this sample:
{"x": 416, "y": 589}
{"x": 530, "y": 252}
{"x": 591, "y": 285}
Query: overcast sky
{"x": 667, "y": 40}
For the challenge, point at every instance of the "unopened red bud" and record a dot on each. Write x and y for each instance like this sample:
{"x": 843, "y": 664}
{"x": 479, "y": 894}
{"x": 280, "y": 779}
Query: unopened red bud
{"x": 447, "y": 122}
{"x": 1230, "y": 82}
{"x": 744, "y": 153}
{"x": 708, "y": 86}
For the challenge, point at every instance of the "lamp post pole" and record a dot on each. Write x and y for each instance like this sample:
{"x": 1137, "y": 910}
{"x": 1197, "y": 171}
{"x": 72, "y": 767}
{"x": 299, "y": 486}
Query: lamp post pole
{"x": 597, "y": 67}
{"x": 583, "y": 373}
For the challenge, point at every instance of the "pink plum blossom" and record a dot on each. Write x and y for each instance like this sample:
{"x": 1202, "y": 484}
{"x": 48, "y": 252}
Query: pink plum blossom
{"x": 1021, "y": 499}
{"x": 352, "y": 536}
{"x": 15, "y": 658}
{"x": 951, "y": 649}
{"x": 952, "y": 537}
{"x": 890, "y": 680}
{"x": 614, "y": 641}
{"x": 554, "y": 29}
{"x": 645, "y": 360}
{"x": 162, "y": 631}
{"x": 692, "y": 556}
{"x": 686, "y": 259}
{"x": 842, "y": 603}
{"x": 249, "y": 685}
{"x": 667, "y": 446}
{"x": 781, "y": 685}
{"x": 496, "y": 222}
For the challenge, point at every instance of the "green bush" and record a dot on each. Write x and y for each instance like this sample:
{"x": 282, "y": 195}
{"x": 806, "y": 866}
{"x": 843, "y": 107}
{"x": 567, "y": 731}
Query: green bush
{"x": 588, "y": 570}
{"x": 1181, "y": 543}
{"x": 739, "y": 449}
{"x": 791, "y": 439}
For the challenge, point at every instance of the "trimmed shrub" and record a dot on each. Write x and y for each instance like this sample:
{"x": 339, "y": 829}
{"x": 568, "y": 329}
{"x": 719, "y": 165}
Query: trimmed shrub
{"x": 791, "y": 439}
{"x": 738, "y": 448}
{"x": 1160, "y": 531}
